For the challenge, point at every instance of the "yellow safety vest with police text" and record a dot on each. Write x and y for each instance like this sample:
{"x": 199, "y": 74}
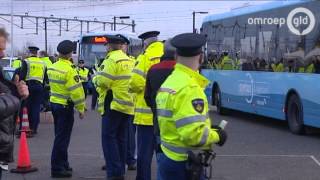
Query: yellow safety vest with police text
{"x": 65, "y": 85}
{"x": 35, "y": 69}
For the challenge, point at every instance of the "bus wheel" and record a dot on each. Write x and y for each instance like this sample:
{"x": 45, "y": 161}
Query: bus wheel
{"x": 295, "y": 115}
{"x": 217, "y": 102}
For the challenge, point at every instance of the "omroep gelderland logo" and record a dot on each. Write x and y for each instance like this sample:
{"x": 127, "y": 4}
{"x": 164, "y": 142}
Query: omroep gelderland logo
{"x": 300, "y": 21}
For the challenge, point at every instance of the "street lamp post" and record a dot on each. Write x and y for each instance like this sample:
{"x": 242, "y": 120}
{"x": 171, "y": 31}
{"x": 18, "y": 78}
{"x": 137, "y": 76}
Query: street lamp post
{"x": 11, "y": 35}
{"x": 115, "y": 20}
{"x": 194, "y": 19}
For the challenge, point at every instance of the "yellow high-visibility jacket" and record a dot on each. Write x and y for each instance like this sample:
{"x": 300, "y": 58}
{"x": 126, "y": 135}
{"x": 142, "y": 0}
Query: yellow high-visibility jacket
{"x": 226, "y": 63}
{"x": 47, "y": 61}
{"x": 310, "y": 69}
{"x": 83, "y": 73}
{"x": 115, "y": 74}
{"x": 277, "y": 68}
{"x": 35, "y": 69}
{"x": 301, "y": 70}
{"x": 16, "y": 63}
{"x": 183, "y": 114}
{"x": 65, "y": 85}
{"x": 151, "y": 56}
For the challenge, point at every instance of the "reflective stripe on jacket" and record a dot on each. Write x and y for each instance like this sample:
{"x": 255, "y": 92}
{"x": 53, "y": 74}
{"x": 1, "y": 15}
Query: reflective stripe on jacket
{"x": 182, "y": 110}
{"x": 151, "y": 56}
{"x": 114, "y": 74}
{"x": 65, "y": 85}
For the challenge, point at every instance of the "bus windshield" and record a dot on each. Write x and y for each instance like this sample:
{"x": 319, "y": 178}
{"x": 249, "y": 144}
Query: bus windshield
{"x": 90, "y": 53}
{"x": 92, "y": 47}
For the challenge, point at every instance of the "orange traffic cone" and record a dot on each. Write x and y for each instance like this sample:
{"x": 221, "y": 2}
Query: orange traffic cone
{"x": 25, "y": 122}
{"x": 24, "y": 163}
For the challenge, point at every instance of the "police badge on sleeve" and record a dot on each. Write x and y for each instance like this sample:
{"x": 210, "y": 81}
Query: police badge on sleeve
{"x": 77, "y": 78}
{"x": 198, "y": 105}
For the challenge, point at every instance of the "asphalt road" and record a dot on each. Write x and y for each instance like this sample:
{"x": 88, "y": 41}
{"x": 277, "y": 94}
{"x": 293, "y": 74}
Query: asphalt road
{"x": 257, "y": 149}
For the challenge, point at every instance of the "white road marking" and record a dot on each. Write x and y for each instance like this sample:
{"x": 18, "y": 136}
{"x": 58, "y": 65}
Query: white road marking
{"x": 264, "y": 155}
{"x": 315, "y": 160}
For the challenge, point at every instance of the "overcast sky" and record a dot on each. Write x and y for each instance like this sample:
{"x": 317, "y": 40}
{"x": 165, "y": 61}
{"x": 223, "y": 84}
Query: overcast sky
{"x": 169, "y": 17}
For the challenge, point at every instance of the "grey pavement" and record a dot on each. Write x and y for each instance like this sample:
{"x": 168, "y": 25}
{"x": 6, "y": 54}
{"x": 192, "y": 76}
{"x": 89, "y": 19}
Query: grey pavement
{"x": 258, "y": 148}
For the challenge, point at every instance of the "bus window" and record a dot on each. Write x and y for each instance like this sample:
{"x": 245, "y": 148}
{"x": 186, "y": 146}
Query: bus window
{"x": 91, "y": 52}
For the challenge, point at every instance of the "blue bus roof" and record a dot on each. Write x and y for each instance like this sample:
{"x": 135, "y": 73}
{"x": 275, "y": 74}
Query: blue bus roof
{"x": 252, "y": 9}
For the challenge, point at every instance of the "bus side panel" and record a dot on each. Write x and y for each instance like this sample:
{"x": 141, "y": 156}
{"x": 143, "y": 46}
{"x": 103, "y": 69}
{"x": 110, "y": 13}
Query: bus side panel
{"x": 270, "y": 90}
{"x": 264, "y": 93}
{"x": 209, "y": 74}
{"x": 235, "y": 90}
{"x": 308, "y": 87}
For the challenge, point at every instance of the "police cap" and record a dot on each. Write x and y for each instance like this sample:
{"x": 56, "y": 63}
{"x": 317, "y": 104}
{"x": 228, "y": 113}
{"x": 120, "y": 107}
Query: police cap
{"x": 188, "y": 44}
{"x": 114, "y": 39}
{"x": 65, "y": 47}
{"x": 33, "y": 48}
{"x": 148, "y": 34}
{"x": 126, "y": 40}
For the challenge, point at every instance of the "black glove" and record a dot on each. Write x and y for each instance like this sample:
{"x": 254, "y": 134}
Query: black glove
{"x": 222, "y": 136}
{"x": 216, "y": 127}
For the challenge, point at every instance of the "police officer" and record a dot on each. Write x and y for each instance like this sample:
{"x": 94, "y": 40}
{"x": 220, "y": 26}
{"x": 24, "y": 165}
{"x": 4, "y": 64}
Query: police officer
{"x": 182, "y": 109}
{"x": 93, "y": 71}
{"x": 66, "y": 94}
{"x": 33, "y": 70}
{"x": 84, "y": 76}
{"x": 114, "y": 74}
{"x": 153, "y": 50}
{"x": 278, "y": 66}
{"x": 16, "y": 63}
{"x": 226, "y": 62}
{"x": 43, "y": 55}
{"x": 131, "y": 146}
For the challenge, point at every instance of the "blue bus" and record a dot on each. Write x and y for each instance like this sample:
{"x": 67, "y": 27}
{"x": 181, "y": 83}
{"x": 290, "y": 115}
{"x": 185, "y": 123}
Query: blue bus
{"x": 288, "y": 95}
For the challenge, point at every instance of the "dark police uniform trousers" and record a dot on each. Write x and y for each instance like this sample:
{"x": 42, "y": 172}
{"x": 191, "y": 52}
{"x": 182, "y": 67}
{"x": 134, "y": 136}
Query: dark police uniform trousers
{"x": 131, "y": 149}
{"x": 33, "y": 103}
{"x": 114, "y": 131}
{"x": 63, "y": 123}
